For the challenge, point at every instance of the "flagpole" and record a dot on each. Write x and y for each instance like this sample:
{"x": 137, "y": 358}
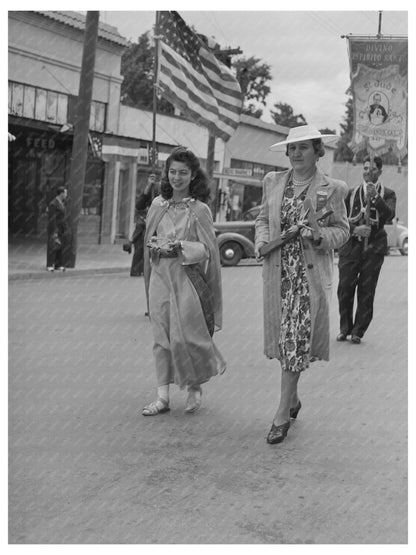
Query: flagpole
{"x": 156, "y": 61}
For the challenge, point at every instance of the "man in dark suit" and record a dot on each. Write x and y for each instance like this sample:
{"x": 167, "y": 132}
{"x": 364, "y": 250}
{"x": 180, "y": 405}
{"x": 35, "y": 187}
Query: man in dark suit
{"x": 57, "y": 231}
{"x": 369, "y": 206}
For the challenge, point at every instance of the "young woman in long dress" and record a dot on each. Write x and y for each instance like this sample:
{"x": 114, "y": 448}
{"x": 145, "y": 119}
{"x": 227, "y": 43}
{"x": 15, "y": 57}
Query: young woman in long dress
{"x": 183, "y": 283}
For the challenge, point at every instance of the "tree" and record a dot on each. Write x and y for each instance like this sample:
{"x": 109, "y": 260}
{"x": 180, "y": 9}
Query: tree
{"x": 283, "y": 115}
{"x": 137, "y": 67}
{"x": 253, "y": 75}
{"x": 326, "y": 130}
{"x": 343, "y": 152}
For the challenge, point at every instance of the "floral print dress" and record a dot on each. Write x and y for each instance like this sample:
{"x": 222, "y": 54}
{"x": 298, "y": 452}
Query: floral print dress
{"x": 295, "y": 333}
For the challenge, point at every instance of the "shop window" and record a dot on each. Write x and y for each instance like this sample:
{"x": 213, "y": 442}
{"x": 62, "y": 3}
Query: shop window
{"x": 62, "y": 109}
{"x": 97, "y": 117}
{"x": 16, "y": 101}
{"x": 91, "y": 199}
{"x": 51, "y": 106}
{"x": 241, "y": 164}
{"x": 92, "y": 195}
{"x": 29, "y": 102}
{"x": 40, "y": 106}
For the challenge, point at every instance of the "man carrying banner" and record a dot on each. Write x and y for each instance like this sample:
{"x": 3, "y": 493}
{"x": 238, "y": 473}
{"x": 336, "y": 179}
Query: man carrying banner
{"x": 369, "y": 206}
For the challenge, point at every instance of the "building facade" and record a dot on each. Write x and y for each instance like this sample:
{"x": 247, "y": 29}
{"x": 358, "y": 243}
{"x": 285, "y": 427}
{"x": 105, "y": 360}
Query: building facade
{"x": 45, "y": 53}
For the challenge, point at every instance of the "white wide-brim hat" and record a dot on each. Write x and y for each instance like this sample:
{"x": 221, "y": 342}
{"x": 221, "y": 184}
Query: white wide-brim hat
{"x": 304, "y": 133}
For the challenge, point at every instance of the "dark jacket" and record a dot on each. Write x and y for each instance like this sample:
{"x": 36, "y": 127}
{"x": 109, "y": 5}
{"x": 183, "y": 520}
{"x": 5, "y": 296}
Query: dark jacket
{"x": 377, "y": 241}
{"x": 57, "y": 220}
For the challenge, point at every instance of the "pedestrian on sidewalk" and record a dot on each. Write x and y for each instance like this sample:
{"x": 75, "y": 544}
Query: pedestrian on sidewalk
{"x": 57, "y": 231}
{"x": 370, "y": 206}
{"x": 183, "y": 282}
{"x": 144, "y": 200}
{"x": 298, "y": 276}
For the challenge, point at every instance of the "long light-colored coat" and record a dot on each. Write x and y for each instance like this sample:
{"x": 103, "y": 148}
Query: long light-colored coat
{"x": 318, "y": 259}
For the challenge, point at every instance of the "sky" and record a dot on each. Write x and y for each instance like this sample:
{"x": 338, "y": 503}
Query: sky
{"x": 308, "y": 58}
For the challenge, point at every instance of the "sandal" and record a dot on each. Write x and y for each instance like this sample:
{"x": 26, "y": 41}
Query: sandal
{"x": 193, "y": 402}
{"x": 156, "y": 407}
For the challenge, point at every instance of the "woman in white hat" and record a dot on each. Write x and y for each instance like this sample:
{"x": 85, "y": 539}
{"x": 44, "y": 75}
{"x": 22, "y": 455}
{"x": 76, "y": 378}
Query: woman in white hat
{"x": 297, "y": 277}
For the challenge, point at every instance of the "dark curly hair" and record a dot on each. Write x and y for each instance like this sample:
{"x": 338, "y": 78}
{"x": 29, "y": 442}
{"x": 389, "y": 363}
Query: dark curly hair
{"x": 377, "y": 161}
{"x": 318, "y": 147}
{"x": 198, "y": 187}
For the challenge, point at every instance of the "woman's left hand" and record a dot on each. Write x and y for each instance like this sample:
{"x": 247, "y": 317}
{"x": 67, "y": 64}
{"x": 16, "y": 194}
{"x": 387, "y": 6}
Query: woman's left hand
{"x": 306, "y": 233}
{"x": 290, "y": 232}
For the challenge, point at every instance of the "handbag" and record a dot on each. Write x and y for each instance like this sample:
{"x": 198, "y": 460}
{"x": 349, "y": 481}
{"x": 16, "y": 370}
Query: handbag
{"x": 127, "y": 247}
{"x": 55, "y": 242}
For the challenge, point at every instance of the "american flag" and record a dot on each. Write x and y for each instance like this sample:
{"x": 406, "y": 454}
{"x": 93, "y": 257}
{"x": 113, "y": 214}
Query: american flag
{"x": 193, "y": 80}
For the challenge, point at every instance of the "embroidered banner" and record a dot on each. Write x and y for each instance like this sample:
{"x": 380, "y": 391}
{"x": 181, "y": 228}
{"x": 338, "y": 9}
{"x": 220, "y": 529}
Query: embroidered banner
{"x": 380, "y": 95}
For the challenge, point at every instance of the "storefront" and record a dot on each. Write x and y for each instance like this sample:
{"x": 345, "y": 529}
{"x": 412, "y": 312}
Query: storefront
{"x": 39, "y": 162}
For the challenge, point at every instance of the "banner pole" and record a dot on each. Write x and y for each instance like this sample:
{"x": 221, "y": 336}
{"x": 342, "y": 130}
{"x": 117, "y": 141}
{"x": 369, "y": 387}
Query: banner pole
{"x": 380, "y": 15}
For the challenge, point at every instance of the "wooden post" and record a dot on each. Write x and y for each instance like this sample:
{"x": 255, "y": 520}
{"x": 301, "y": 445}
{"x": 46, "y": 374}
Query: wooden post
{"x": 81, "y": 130}
{"x": 210, "y": 173}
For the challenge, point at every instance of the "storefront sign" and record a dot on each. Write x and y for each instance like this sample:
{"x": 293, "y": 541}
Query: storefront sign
{"x": 242, "y": 172}
{"x": 40, "y": 143}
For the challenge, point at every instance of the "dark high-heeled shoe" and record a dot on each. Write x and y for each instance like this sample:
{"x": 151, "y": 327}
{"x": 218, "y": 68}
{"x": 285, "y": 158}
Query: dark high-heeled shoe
{"x": 278, "y": 433}
{"x": 294, "y": 411}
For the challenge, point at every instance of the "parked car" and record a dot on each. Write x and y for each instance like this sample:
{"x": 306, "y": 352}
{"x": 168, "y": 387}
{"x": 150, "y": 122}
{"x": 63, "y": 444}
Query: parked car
{"x": 251, "y": 213}
{"x": 397, "y": 236}
{"x": 236, "y": 239}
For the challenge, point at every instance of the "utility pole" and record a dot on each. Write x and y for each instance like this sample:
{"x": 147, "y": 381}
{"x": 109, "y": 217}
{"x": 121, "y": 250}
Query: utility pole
{"x": 81, "y": 130}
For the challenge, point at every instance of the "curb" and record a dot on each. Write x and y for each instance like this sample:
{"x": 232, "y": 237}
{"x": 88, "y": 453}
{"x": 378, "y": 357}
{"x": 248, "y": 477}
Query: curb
{"x": 69, "y": 272}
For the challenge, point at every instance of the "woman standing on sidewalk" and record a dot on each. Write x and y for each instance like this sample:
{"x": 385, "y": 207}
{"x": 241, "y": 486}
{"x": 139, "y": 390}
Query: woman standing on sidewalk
{"x": 298, "y": 276}
{"x": 57, "y": 231}
{"x": 183, "y": 282}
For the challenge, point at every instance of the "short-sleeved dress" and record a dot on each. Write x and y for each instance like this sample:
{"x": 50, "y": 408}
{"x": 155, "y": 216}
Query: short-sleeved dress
{"x": 295, "y": 333}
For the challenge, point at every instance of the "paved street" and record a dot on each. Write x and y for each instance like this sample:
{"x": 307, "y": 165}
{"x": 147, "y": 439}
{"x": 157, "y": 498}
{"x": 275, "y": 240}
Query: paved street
{"x": 85, "y": 466}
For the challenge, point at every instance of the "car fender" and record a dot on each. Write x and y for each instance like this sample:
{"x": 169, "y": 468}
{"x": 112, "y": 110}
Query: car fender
{"x": 246, "y": 244}
{"x": 401, "y": 238}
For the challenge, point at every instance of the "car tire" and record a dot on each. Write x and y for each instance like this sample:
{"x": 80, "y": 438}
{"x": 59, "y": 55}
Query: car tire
{"x": 230, "y": 253}
{"x": 405, "y": 248}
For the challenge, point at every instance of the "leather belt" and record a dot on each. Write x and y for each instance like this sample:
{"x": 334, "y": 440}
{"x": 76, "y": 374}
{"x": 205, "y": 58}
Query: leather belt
{"x": 173, "y": 254}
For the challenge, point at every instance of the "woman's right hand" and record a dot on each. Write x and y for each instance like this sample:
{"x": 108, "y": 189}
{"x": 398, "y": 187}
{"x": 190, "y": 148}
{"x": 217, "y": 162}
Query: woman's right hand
{"x": 257, "y": 248}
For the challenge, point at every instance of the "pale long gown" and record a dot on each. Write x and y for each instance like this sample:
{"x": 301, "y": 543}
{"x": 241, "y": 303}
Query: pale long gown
{"x": 184, "y": 351}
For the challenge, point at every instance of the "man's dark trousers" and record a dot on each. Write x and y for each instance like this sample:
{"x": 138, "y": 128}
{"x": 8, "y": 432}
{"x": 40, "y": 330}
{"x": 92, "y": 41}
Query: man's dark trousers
{"x": 359, "y": 271}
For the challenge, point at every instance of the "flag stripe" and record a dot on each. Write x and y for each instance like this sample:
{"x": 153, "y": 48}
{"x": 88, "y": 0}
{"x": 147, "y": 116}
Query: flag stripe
{"x": 228, "y": 81}
{"x": 171, "y": 76}
{"x": 174, "y": 69}
{"x": 220, "y": 130}
{"x": 176, "y": 86}
{"x": 194, "y": 80}
{"x": 183, "y": 92}
{"x": 176, "y": 64}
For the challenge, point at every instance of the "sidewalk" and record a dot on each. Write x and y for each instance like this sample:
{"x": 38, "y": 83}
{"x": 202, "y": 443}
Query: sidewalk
{"x": 27, "y": 260}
